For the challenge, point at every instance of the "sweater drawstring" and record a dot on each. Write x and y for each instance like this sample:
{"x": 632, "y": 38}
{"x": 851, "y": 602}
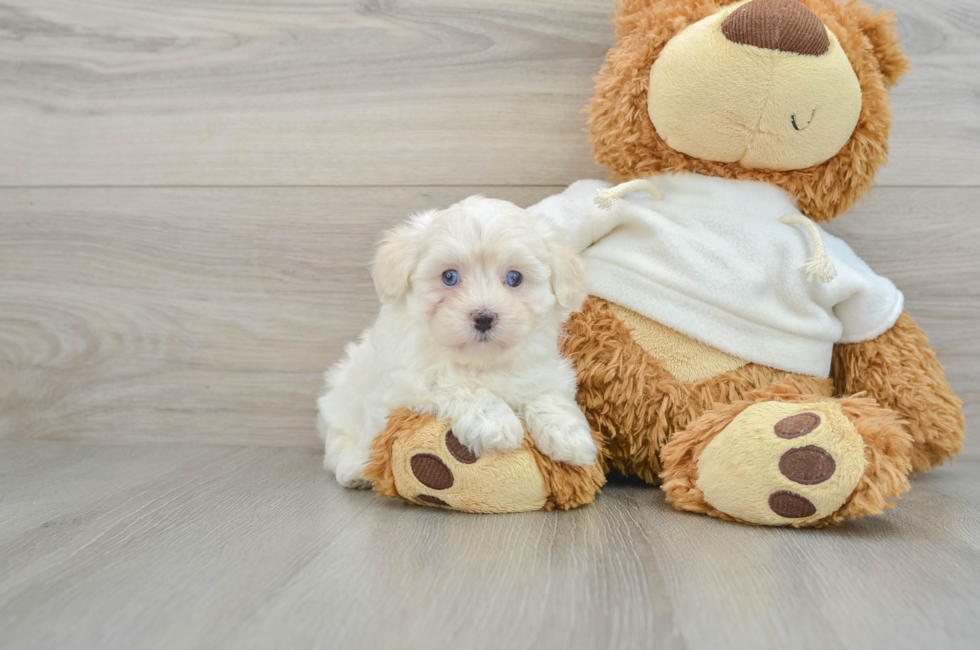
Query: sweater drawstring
{"x": 819, "y": 267}
{"x": 606, "y": 198}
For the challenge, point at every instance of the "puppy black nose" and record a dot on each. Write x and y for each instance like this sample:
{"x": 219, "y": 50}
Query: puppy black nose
{"x": 483, "y": 321}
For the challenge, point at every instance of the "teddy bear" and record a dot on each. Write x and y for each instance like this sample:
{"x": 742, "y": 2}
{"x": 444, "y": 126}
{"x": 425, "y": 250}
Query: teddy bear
{"x": 730, "y": 350}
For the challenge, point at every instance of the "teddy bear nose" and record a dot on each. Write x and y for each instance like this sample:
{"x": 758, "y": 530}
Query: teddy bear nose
{"x": 783, "y": 25}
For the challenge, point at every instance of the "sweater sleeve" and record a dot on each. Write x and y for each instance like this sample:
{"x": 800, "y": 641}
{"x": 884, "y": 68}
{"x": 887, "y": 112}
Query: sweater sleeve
{"x": 866, "y": 303}
{"x": 574, "y": 214}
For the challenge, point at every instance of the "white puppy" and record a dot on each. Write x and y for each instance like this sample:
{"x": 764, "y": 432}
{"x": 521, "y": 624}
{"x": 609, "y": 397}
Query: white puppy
{"x": 473, "y": 302}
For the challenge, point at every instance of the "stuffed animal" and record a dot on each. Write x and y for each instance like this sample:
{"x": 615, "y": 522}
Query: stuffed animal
{"x": 731, "y": 350}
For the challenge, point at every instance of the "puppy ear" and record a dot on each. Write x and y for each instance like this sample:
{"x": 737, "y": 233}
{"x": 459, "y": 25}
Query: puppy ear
{"x": 879, "y": 27}
{"x": 394, "y": 261}
{"x": 567, "y": 277}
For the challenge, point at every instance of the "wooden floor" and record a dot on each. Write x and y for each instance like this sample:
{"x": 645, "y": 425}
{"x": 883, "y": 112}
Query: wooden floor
{"x": 181, "y": 546}
{"x": 189, "y": 194}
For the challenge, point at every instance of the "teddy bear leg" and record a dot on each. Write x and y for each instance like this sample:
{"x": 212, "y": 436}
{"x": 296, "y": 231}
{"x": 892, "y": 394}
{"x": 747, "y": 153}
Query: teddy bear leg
{"x": 418, "y": 458}
{"x": 901, "y": 371}
{"x": 800, "y": 460}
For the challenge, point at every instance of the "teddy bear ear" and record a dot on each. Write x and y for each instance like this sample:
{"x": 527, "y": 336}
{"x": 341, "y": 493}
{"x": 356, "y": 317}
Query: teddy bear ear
{"x": 879, "y": 27}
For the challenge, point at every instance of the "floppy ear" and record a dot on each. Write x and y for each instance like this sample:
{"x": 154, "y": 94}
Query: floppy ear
{"x": 879, "y": 27}
{"x": 567, "y": 277}
{"x": 394, "y": 261}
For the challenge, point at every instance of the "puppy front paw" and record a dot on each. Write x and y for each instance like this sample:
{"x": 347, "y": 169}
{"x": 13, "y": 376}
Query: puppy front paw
{"x": 562, "y": 434}
{"x": 346, "y": 459}
{"x": 351, "y": 475}
{"x": 494, "y": 428}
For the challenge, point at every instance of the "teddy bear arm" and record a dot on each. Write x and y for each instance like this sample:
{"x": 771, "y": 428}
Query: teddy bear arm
{"x": 901, "y": 372}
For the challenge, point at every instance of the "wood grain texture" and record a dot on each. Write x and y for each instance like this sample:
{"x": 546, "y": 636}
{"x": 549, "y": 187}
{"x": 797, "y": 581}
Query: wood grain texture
{"x": 209, "y": 314}
{"x": 375, "y": 92}
{"x": 236, "y": 547}
{"x": 201, "y": 314}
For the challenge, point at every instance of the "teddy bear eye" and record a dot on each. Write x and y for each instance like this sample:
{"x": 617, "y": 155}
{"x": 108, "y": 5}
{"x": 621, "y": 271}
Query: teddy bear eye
{"x": 513, "y": 278}
{"x": 450, "y": 277}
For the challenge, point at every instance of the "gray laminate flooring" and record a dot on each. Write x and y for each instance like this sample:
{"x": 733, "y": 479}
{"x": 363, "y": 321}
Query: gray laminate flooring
{"x": 181, "y": 546}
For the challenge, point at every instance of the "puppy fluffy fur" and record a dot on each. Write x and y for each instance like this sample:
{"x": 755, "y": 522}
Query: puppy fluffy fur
{"x": 425, "y": 351}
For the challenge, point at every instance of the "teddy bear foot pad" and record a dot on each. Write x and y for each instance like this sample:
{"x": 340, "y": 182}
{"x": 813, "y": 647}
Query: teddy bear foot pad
{"x": 419, "y": 459}
{"x": 780, "y": 463}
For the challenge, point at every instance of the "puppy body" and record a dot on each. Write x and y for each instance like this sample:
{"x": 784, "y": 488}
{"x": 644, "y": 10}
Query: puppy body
{"x": 482, "y": 351}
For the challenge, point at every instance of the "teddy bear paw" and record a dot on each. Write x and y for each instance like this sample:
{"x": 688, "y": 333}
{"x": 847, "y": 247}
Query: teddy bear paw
{"x": 434, "y": 468}
{"x": 780, "y": 463}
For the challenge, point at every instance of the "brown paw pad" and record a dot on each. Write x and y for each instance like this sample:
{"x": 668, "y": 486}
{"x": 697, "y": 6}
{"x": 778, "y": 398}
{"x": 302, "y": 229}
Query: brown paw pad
{"x": 797, "y": 425}
{"x": 460, "y": 451}
{"x": 791, "y": 505}
{"x": 431, "y": 500}
{"x": 807, "y": 465}
{"x": 431, "y": 471}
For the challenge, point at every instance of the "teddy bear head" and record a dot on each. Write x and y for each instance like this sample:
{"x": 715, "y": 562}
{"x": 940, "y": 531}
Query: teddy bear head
{"x": 792, "y": 92}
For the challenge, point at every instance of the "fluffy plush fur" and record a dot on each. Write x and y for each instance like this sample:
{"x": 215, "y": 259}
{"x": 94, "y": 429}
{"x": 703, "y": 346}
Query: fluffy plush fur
{"x": 902, "y": 373}
{"x": 624, "y": 140}
{"x": 655, "y": 426}
{"x": 635, "y": 405}
{"x": 456, "y": 340}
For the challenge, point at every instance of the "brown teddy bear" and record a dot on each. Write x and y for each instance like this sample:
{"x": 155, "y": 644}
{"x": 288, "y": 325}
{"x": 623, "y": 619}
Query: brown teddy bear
{"x": 731, "y": 349}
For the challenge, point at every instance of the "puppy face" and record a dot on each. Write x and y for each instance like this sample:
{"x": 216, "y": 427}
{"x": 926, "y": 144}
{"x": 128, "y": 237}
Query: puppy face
{"x": 480, "y": 277}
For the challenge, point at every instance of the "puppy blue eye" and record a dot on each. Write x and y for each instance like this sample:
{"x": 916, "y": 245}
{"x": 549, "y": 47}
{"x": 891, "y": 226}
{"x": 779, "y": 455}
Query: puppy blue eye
{"x": 514, "y": 278}
{"x": 450, "y": 278}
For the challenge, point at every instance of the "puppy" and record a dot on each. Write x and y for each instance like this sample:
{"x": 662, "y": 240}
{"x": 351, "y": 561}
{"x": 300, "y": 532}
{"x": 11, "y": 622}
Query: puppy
{"x": 473, "y": 302}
